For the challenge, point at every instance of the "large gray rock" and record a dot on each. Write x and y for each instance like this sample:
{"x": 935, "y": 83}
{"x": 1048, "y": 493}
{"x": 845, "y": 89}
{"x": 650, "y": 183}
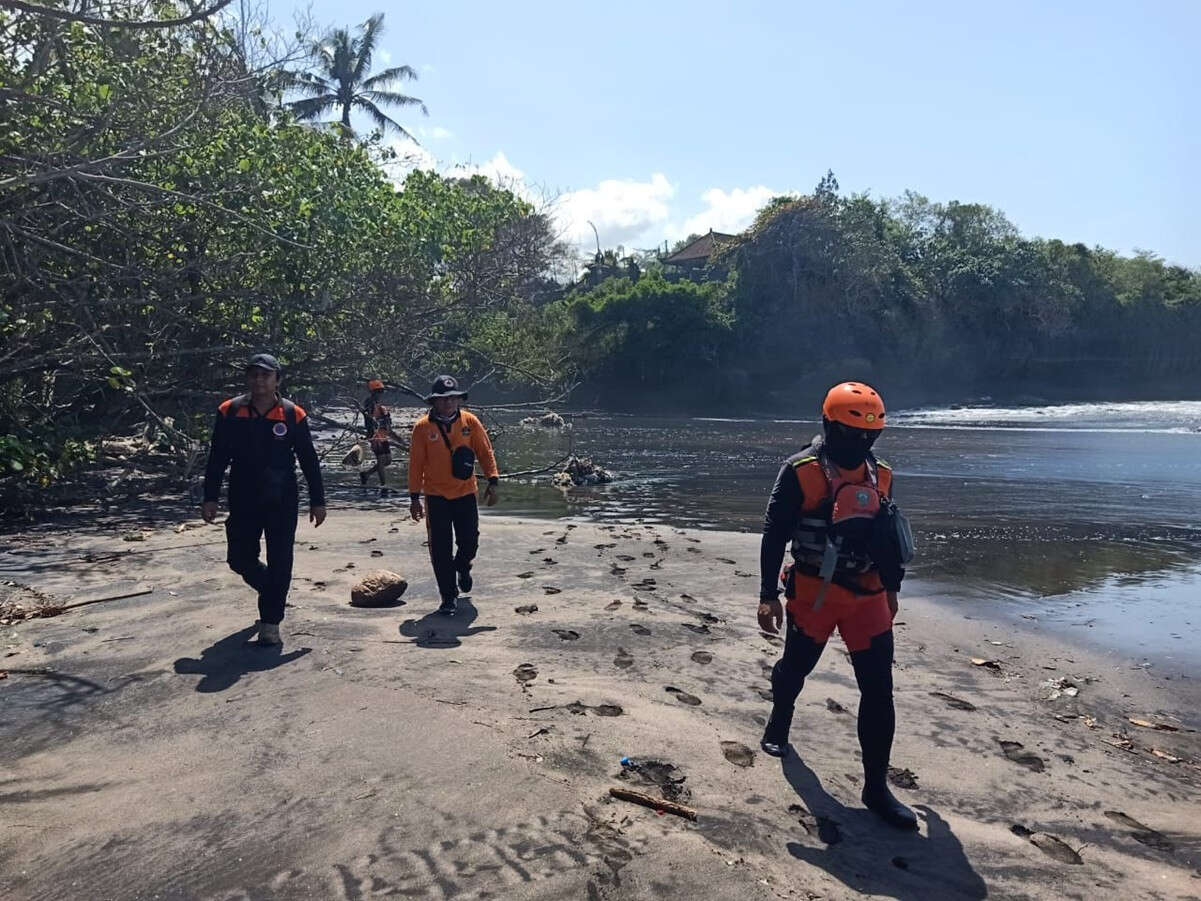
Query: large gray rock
{"x": 379, "y": 588}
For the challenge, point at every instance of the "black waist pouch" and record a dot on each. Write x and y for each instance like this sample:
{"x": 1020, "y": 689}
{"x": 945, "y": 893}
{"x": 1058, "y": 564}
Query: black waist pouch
{"x": 462, "y": 463}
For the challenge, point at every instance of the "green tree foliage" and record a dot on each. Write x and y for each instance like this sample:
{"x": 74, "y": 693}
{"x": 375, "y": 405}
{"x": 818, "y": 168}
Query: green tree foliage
{"x": 340, "y": 81}
{"x": 156, "y": 226}
{"x": 649, "y": 332}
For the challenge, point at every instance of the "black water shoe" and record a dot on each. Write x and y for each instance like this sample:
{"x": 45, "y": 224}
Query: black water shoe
{"x": 880, "y": 801}
{"x": 465, "y": 581}
{"x": 773, "y": 749}
{"x": 448, "y": 607}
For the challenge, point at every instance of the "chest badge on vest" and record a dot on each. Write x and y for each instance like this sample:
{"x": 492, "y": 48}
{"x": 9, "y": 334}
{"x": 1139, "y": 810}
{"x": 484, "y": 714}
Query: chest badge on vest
{"x": 433, "y": 436}
{"x": 465, "y": 431}
{"x": 279, "y": 430}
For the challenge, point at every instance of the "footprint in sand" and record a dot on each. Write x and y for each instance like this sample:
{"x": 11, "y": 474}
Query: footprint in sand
{"x": 1013, "y": 750}
{"x": 526, "y": 672}
{"x": 550, "y": 589}
{"x": 766, "y": 694}
{"x": 743, "y": 575}
{"x": 702, "y": 657}
{"x": 738, "y": 753}
{"x": 682, "y": 696}
{"x": 623, "y": 660}
{"x": 725, "y": 560}
{"x": 580, "y": 709}
{"x": 550, "y": 561}
{"x": 624, "y": 557}
{"x": 952, "y": 701}
{"x": 902, "y": 778}
{"x": 377, "y": 553}
{"x": 601, "y": 547}
{"x": 567, "y": 634}
{"x": 612, "y": 605}
{"x": 1141, "y": 833}
{"x": 648, "y": 553}
{"x": 834, "y": 707}
{"x": 824, "y": 828}
{"x": 640, "y": 604}
{"x": 562, "y": 539}
{"x": 528, "y": 575}
{"x": 693, "y": 550}
{"x": 538, "y": 550}
{"x": 639, "y": 629}
{"x": 617, "y": 571}
{"x": 702, "y": 629}
{"x": 1050, "y": 845}
{"x": 526, "y": 609}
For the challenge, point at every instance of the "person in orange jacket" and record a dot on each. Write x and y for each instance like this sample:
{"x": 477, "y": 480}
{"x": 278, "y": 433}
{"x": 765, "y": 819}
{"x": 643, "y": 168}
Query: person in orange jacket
{"x": 833, "y": 501}
{"x": 442, "y": 456}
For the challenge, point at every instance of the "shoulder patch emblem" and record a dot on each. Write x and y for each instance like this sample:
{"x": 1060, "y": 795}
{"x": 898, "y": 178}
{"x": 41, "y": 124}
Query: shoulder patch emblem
{"x": 433, "y": 436}
{"x": 279, "y": 430}
{"x": 466, "y": 430}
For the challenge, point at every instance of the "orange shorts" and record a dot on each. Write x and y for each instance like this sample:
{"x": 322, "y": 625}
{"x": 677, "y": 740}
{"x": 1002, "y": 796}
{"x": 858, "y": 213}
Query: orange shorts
{"x": 858, "y": 618}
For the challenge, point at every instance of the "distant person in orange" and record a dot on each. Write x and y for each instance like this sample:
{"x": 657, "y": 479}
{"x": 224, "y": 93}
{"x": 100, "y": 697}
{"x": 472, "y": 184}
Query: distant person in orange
{"x": 833, "y": 501}
{"x": 442, "y": 456}
{"x": 377, "y": 422}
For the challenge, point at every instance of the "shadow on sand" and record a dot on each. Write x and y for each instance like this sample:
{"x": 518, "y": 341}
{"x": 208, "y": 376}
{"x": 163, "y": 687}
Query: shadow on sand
{"x": 870, "y": 857}
{"x": 437, "y": 630}
{"x": 226, "y": 661}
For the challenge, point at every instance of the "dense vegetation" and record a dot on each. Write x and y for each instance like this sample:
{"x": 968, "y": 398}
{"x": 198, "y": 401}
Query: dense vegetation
{"x": 163, "y": 213}
{"x": 935, "y": 301}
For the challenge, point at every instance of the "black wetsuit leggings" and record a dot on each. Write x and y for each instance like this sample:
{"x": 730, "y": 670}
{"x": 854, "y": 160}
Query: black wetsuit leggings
{"x": 243, "y": 530}
{"x": 873, "y": 672}
{"x": 450, "y": 521}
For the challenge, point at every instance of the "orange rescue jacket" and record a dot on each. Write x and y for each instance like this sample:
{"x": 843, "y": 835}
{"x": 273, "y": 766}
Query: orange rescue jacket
{"x": 430, "y": 458}
{"x": 815, "y": 493}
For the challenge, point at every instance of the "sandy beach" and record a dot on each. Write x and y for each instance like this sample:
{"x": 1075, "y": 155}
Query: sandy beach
{"x": 147, "y": 750}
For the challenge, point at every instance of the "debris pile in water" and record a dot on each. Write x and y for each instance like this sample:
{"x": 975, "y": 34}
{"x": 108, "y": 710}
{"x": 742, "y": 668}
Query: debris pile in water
{"x": 581, "y": 471}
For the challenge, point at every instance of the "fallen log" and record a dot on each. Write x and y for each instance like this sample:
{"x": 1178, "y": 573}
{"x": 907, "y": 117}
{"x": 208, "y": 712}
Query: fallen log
{"x": 637, "y": 797}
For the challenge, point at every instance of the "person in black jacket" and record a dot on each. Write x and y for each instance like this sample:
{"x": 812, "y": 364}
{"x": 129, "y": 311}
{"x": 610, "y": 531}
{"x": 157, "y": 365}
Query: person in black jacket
{"x": 259, "y": 436}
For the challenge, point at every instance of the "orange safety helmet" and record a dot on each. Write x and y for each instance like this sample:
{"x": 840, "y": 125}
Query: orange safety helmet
{"x": 375, "y": 385}
{"x": 854, "y": 404}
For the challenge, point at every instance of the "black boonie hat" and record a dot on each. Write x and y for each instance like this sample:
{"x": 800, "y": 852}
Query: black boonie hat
{"x": 445, "y": 386}
{"x": 264, "y": 361}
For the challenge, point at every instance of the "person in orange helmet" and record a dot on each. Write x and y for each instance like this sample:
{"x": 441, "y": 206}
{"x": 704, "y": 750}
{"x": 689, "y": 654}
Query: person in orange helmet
{"x": 377, "y": 423}
{"x": 833, "y": 501}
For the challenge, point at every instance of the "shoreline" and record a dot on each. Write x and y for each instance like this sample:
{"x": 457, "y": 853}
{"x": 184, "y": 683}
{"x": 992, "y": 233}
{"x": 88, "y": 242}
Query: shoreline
{"x": 151, "y": 751}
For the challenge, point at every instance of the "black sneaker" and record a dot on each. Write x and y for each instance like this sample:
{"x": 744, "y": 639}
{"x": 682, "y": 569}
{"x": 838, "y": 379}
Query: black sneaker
{"x": 448, "y": 607}
{"x": 465, "y": 581}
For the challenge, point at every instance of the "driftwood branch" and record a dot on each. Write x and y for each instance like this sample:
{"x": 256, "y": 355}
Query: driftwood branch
{"x": 636, "y": 797}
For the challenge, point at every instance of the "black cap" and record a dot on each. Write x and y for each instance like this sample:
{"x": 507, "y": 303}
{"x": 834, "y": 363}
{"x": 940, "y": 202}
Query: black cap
{"x": 264, "y": 361}
{"x": 445, "y": 386}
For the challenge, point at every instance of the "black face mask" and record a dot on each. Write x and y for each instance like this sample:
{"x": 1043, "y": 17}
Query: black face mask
{"x": 848, "y": 447}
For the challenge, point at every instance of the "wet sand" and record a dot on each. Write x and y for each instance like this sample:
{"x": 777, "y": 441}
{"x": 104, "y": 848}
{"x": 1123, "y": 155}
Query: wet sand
{"x": 147, "y": 750}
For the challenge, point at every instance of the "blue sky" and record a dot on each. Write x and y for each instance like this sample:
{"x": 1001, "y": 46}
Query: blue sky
{"x": 1080, "y": 120}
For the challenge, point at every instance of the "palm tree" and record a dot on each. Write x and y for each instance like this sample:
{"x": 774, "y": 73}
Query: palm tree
{"x": 340, "y": 83}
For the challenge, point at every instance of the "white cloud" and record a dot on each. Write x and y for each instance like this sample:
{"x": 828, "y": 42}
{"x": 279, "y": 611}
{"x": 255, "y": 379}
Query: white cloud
{"x": 385, "y": 56}
{"x": 498, "y": 169}
{"x": 623, "y": 210}
{"x": 724, "y": 211}
{"x": 438, "y": 133}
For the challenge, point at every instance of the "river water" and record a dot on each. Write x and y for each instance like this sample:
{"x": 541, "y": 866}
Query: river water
{"x": 1084, "y": 516}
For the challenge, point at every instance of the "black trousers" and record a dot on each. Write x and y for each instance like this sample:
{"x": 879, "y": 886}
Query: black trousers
{"x": 449, "y": 522}
{"x": 873, "y": 673}
{"x": 243, "y": 529}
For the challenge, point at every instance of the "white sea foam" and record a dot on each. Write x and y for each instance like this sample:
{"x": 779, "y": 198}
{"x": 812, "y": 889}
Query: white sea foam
{"x": 1172, "y": 417}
